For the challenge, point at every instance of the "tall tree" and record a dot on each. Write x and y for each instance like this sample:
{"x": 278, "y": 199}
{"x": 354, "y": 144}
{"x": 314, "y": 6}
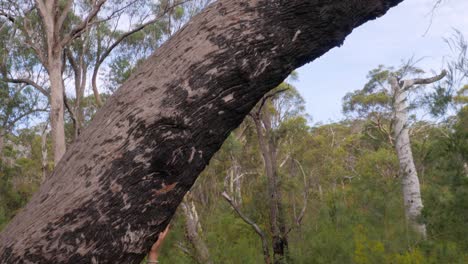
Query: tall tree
{"x": 42, "y": 25}
{"x": 410, "y": 180}
{"x": 121, "y": 181}
{"x": 385, "y": 103}
{"x": 56, "y": 31}
{"x": 267, "y": 118}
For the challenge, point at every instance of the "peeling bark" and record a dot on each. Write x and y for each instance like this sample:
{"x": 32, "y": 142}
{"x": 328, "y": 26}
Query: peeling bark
{"x": 121, "y": 181}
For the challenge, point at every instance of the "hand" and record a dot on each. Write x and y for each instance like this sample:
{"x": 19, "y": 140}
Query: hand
{"x": 156, "y": 248}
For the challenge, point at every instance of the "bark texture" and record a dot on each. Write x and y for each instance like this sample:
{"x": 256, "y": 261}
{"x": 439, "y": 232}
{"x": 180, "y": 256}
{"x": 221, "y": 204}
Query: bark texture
{"x": 121, "y": 181}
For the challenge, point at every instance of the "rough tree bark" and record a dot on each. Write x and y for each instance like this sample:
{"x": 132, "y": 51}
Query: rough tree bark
{"x": 410, "y": 181}
{"x": 120, "y": 182}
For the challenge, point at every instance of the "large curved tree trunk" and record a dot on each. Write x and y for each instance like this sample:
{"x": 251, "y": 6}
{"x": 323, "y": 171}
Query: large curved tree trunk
{"x": 119, "y": 184}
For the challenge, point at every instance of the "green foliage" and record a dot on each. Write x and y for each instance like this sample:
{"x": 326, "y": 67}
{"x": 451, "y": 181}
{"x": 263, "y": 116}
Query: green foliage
{"x": 20, "y": 173}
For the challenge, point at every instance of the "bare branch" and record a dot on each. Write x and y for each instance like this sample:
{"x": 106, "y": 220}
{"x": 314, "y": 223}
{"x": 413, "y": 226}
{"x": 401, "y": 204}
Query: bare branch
{"x": 257, "y": 229}
{"x": 268, "y": 96}
{"x": 298, "y": 219}
{"x": 409, "y": 83}
{"x": 29, "y": 82}
{"x": 185, "y": 250}
{"x": 76, "y": 32}
{"x": 102, "y": 57}
{"x": 23, "y": 115}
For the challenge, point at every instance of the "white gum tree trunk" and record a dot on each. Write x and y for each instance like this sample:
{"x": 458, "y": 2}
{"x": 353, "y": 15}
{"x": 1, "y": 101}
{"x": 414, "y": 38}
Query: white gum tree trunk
{"x": 410, "y": 181}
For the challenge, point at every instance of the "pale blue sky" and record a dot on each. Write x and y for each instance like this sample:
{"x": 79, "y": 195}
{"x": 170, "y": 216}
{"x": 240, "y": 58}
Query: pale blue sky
{"x": 397, "y": 36}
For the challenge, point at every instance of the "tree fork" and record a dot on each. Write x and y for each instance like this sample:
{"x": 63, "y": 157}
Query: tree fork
{"x": 120, "y": 183}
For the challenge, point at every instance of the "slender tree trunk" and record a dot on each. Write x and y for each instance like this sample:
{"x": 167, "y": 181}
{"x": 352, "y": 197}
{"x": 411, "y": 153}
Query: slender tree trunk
{"x": 2, "y": 144}
{"x": 410, "y": 180}
{"x": 52, "y": 59}
{"x": 44, "y": 153}
{"x": 193, "y": 230}
{"x": 78, "y": 103}
{"x": 57, "y": 121}
{"x": 277, "y": 225}
{"x": 97, "y": 95}
{"x": 121, "y": 181}
{"x": 80, "y": 70}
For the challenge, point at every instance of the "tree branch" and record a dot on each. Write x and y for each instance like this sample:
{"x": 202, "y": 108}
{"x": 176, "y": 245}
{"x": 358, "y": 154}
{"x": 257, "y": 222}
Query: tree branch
{"x": 122, "y": 37}
{"x": 298, "y": 220}
{"x": 268, "y": 96}
{"x": 23, "y": 115}
{"x": 409, "y": 83}
{"x": 29, "y": 82}
{"x": 243, "y": 216}
{"x": 247, "y": 220}
{"x": 76, "y": 32}
{"x": 64, "y": 14}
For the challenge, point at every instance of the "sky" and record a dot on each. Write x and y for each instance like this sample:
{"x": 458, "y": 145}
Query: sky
{"x": 404, "y": 32}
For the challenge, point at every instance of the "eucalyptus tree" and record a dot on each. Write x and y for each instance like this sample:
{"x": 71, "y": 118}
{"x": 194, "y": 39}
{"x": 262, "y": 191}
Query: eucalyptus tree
{"x": 118, "y": 47}
{"x": 18, "y": 101}
{"x": 43, "y": 28}
{"x": 50, "y": 29}
{"x": 120, "y": 182}
{"x": 385, "y": 98}
{"x": 269, "y": 118}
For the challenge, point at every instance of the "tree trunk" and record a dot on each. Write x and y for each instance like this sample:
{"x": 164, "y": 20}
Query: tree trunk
{"x": 121, "y": 181}
{"x": 97, "y": 95}
{"x": 410, "y": 181}
{"x": 2, "y": 145}
{"x": 57, "y": 122}
{"x": 44, "y": 156}
{"x": 193, "y": 230}
{"x": 277, "y": 223}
